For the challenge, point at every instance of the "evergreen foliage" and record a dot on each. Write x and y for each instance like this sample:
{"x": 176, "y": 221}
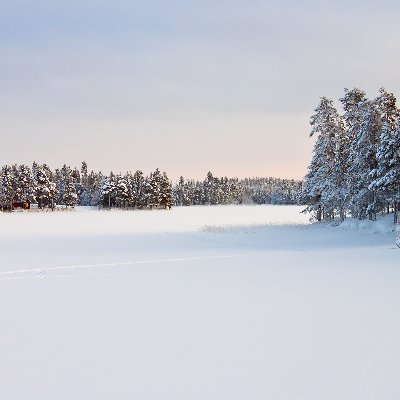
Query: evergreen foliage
{"x": 214, "y": 191}
{"x": 355, "y": 168}
{"x": 70, "y": 187}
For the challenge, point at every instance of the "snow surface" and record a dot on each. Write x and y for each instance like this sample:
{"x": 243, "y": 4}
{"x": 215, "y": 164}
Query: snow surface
{"x": 231, "y": 302}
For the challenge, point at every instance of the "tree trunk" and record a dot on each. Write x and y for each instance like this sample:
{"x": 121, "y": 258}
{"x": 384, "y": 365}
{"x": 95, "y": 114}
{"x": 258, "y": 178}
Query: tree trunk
{"x": 341, "y": 213}
{"x": 319, "y": 214}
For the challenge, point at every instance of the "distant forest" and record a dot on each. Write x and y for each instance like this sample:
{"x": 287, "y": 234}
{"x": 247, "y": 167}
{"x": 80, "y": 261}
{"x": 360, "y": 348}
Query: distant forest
{"x": 355, "y": 167}
{"x": 225, "y": 190}
{"x": 21, "y": 185}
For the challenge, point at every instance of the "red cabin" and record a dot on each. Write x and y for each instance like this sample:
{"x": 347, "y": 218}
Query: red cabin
{"x": 25, "y": 205}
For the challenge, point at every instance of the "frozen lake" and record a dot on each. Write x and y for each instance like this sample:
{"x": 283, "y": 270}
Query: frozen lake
{"x": 232, "y": 302}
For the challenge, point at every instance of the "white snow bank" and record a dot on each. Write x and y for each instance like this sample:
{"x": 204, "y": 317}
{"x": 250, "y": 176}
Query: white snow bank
{"x": 383, "y": 224}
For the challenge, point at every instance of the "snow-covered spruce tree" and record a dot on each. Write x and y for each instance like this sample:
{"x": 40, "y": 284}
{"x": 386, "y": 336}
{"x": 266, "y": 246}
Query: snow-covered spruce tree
{"x": 15, "y": 183}
{"x": 386, "y": 176}
{"x": 208, "y": 188}
{"x": 76, "y": 176}
{"x": 154, "y": 198}
{"x": 146, "y": 199}
{"x": 92, "y": 192}
{"x": 137, "y": 191}
{"x": 59, "y": 181}
{"x": 324, "y": 188}
{"x": 70, "y": 198}
{"x": 25, "y": 184}
{"x": 194, "y": 193}
{"x": 41, "y": 193}
{"x": 121, "y": 191}
{"x": 225, "y": 191}
{"x": 89, "y": 186}
{"x": 45, "y": 188}
{"x": 7, "y": 188}
{"x": 185, "y": 192}
{"x": 363, "y": 161}
{"x": 15, "y": 186}
{"x": 212, "y": 190}
{"x": 60, "y": 178}
{"x": 166, "y": 199}
{"x": 52, "y": 187}
{"x": 352, "y": 104}
{"x": 236, "y": 191}
{"x": 150, "y": 192}
{"x": 216, "y": 192}
{"x": 179, "y": 192}
{"x": 366, "y": 159}
{"x": 107, "y": 191}
{"x": 128, "y": 179}
{"x": 84, "y": 173}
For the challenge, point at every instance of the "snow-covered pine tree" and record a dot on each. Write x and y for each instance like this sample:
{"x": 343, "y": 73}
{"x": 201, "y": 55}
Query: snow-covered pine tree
{"x": 352, "y": 103}
{"x": 60, "y": 178}
{"x": 197, "y": 193}
{"x": 84, "y": 173}
{"x": 166, "y": 199}
{"x": 367, "y": 159}
{"x": 94, "y": 182}
{"x": 146, "y": 198}
{"x": 15, "y": 184}
{"x": 121, "y": 191}
{"x": 7, "y": 188}
{"x": 25, "y": 184}
{"x": 137, "y": 190}
{"x": 91, "y": 195}
{"x": 70, "y": 198}
{"x": 386, "y": 176}
{"x": 86, "y": 195}
{"x": 107, "y": 191}
{"x": 179, "y": 192}
{"x": 363, "y": 157}
{"x": 236, "y": 191}
{"x": 323, "y": 189}
{"x": 154, "y": 198}
{"x": 76, "y": 176}
{"x": 45, "y": 189}
{"x": 128, "y": 178}
{"x": 212, "y": 190}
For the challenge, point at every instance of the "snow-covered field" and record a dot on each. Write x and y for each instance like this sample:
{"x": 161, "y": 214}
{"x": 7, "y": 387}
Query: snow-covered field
{"x": 232, "y": 302}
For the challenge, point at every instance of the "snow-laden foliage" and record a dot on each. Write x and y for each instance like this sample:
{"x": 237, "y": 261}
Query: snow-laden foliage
{"x": 324, "y": 183}
{"x": 355, "y": 168}
{"x": 21, "y": 185}
{"x": 214, "y": 191}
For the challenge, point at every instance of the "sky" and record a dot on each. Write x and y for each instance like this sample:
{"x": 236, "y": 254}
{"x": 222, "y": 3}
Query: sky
{"x": 185, "y": 86}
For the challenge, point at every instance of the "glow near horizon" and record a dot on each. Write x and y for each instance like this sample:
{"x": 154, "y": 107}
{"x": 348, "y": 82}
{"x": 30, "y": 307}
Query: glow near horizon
{"x": 186, "y": 87}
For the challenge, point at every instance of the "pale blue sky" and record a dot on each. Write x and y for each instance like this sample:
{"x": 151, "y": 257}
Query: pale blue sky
{"x": 182, "y": 85}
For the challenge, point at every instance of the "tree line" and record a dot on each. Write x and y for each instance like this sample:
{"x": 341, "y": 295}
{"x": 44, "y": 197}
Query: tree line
{"x": 21, "y": 184}
{"x": 66, "y": 186}
{"x": 355, "y": 166}
{"x": 213, "y": 190}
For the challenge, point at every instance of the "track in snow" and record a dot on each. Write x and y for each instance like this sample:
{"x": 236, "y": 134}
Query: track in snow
{"x": 40, "y": 272}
